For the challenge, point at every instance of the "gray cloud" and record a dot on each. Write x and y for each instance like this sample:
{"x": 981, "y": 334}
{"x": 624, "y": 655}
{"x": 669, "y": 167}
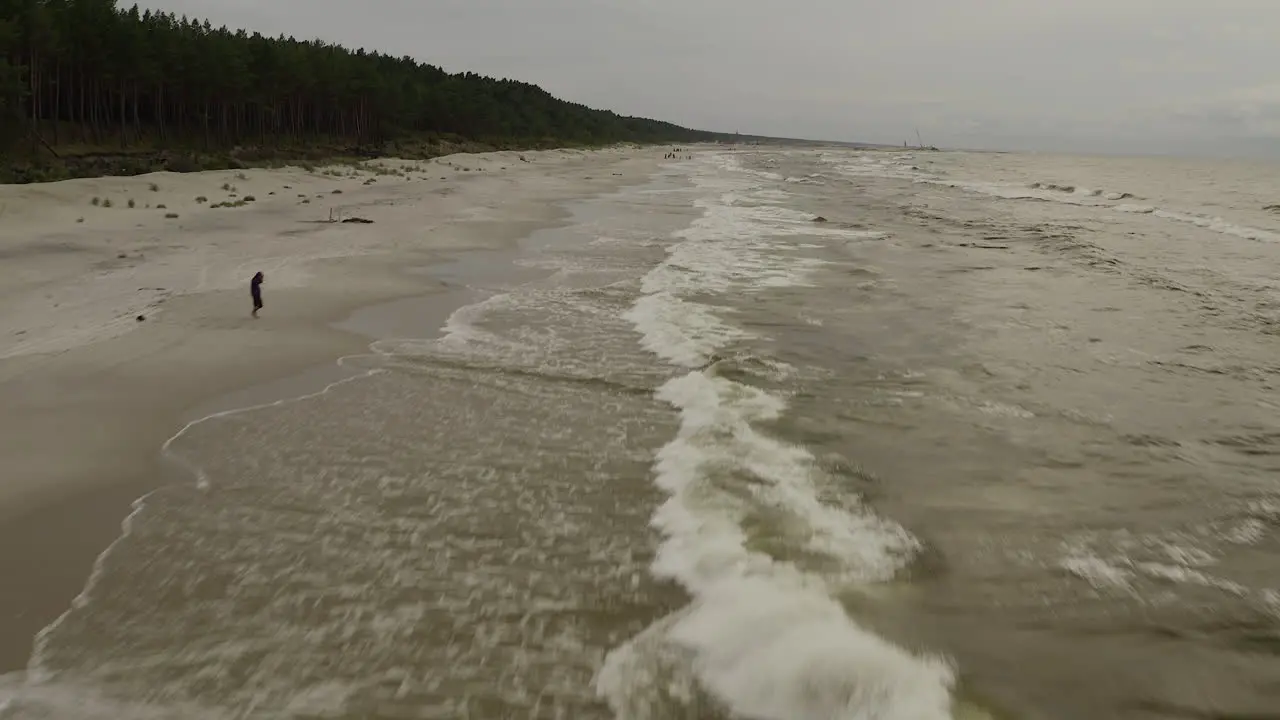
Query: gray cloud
{"x": 1107, "y": 75}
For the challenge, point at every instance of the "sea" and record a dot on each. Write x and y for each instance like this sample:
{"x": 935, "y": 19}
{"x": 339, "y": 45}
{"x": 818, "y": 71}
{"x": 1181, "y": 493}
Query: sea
{"x": 776, "y": 434}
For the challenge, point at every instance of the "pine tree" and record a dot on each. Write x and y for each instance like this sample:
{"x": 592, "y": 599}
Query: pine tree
{"x": 87, "y": 72}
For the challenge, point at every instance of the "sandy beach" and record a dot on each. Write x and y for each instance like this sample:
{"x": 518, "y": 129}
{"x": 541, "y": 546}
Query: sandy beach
{"x": 613, "y": 436}
{"x": 124, "y": 310}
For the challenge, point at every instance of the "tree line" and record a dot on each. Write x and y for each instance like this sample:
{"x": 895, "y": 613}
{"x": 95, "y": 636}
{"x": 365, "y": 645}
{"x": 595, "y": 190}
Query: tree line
{"x": 87, "y": 73}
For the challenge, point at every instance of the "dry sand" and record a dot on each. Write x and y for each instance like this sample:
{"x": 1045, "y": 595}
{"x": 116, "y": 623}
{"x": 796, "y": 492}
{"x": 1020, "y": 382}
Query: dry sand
{"x": 88, "y": 392}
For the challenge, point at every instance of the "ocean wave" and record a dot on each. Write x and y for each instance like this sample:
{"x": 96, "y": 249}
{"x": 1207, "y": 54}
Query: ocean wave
{"x": 1208, "y": 222}
{"x": 580, "y": 337}
{"x": 1219, "y": 225}
{"x": 763, "y": 637}
{"x": 810, "y": 179}
{"x": 660, "y": 316}
{"x": 1007, "y": 191}
{"x": 768, "y": 640}
{"x": 1103, "y": 200}
{"x": 1050, "y": 191}
{"x": 1148, "y": 565}
{"x": 1082, "y": 191}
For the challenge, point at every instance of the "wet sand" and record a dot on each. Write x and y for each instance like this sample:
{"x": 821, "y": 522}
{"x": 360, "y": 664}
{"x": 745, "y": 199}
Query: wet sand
{"x": 88, "y": 394}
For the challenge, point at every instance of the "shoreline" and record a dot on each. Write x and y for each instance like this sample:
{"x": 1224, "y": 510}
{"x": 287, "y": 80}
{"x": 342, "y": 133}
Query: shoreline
{"x": 85, "y": 426}
{"x": 75, "y": 521}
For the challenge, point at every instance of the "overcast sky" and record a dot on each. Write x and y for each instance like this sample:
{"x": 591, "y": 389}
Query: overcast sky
{"x": 1200, "y": 76}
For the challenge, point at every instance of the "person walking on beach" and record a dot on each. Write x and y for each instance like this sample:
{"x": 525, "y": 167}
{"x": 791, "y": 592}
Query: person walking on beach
{"x": 255, "y": 289}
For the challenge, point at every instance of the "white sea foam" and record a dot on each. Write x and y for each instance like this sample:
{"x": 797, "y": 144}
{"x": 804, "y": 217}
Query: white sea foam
{"x": 461, "y": 327}
{"x": 1012, "y": 192}
{"x": 1143, "y": 565}
{"x": 739, "y": 243}
{"x": 772, "y": 196}
{"x": 774, "y": 650}
{"x": 717, "y": 438}
{"x": 1081, "y": 191}
{"x": 811, "y": 179}
{"x": 659, "y": 316}
{"x": 768, "y": 640}
{"x": 66, "y": 699}
{"x": 879, "y": 169}
{"x": 1187, "y": 576}
{"x": 1066, "y": 194}
{"x": 1218, "y": 225}
{"x": 705, "y": 265}
{"x": 1122, "y": 572}
{"x": 764, "y": 637}
{"x": 1249, "y": 531}
{"x": 1097, "y": 572}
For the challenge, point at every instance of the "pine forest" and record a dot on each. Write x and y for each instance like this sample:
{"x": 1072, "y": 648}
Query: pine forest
{"x": 90, "y": 88}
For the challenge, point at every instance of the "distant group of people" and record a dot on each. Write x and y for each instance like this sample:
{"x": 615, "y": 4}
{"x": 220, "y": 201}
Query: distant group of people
{"x": 675, "y": 155}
